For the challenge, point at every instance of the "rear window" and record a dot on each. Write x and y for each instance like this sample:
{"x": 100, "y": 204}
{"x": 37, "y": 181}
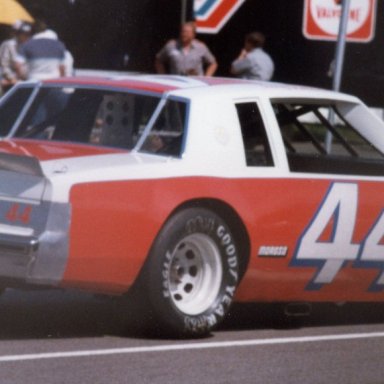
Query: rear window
{"x": 97, "y": 117}
{"x": 255, "y": 140}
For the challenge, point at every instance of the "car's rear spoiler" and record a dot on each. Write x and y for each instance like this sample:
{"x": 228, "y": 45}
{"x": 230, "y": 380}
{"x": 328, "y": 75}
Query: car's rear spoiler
{"x": 20, "y": 164}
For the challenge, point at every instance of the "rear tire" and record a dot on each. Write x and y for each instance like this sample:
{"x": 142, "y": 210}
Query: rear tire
{"x": 192, "y": 273}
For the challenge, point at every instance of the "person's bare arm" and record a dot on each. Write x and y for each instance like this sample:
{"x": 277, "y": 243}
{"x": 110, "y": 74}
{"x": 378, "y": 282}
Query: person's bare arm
{"x": 210, "y": 62}
{"x": 162, "y": 58}
{"x": 240, "y": 64}
{"x": 159, "y": 66}
{"x": 20, "y": 70}
{"x": 211, "y": 69}
{"x": 62, "y": 70}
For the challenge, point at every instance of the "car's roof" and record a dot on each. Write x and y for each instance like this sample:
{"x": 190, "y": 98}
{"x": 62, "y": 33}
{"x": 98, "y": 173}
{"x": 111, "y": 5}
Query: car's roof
{"x": 160, "y": 84}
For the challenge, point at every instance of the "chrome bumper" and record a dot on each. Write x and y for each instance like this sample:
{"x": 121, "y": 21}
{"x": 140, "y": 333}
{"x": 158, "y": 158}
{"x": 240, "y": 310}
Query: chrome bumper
{"x": 18, "y": 245}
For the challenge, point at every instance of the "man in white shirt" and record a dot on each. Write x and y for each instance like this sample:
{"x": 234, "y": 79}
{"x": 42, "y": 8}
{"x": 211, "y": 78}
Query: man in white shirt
{"x": 8, "y": 53}
{"x": 253, "y": 62}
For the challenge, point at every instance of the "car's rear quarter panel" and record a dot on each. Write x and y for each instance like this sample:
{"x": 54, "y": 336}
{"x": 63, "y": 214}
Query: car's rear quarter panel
{"x": 115, "y": 223}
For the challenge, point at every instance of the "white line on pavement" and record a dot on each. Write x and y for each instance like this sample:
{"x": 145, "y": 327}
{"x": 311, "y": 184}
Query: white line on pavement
{"x": 190, "y": 346}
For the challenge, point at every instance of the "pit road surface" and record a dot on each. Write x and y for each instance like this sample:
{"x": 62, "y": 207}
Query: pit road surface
{"x": 67, "y": 337}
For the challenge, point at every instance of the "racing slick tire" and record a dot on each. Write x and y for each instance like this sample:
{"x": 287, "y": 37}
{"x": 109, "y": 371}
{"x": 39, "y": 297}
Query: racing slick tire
{"x": 192, "y": 273}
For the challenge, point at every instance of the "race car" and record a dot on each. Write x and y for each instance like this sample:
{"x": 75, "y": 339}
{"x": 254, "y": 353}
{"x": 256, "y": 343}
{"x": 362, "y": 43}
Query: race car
{"x": 192, "y": 193}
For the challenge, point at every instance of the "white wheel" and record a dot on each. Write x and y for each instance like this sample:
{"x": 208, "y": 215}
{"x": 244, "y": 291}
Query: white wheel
{"x": 191, "y": 274}
{"x": 195, "y": 274}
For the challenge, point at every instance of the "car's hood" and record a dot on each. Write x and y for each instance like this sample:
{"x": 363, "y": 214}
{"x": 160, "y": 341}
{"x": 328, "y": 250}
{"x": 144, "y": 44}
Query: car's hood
{"x": 46, "y": 150}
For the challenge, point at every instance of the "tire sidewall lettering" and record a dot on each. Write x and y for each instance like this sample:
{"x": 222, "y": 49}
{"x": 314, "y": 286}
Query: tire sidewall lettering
{"x": 200, "y": 224}
{"x": 217, "y": 230}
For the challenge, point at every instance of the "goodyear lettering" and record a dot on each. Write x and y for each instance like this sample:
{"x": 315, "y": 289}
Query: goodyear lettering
{"x": 226, "y": 241}
{"x": 165, "y": 274}
{"x": 209, "y": 320}
{"x": 230, "y": 290}
{"x": 220, "y": 310}
{"x": 200, "y": 223}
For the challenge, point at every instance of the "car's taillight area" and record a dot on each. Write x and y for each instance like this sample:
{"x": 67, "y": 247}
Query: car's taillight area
{"x": 33, "y": 230}
{"x": 17, "y": 230}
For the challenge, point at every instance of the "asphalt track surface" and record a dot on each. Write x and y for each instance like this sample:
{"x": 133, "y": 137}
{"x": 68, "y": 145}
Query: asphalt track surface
{"x": 69, "y": 337}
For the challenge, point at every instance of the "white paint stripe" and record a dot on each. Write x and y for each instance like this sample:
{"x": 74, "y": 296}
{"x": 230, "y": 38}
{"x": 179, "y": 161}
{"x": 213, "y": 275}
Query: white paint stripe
{"x": 190, "y": 346}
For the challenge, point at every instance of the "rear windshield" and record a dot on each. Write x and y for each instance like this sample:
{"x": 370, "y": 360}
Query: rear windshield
{"x": 108, "y": 118}
{"x": 100, "y": 117}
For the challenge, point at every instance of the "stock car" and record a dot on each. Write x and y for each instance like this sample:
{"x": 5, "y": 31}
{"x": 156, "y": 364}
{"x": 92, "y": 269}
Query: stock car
{"x": 191, "y": 192}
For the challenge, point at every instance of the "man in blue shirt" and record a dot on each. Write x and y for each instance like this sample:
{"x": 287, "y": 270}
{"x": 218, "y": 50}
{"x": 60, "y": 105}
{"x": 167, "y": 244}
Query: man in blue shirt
{"x": 43, "y": 56}
{"x": 253, "y": 62}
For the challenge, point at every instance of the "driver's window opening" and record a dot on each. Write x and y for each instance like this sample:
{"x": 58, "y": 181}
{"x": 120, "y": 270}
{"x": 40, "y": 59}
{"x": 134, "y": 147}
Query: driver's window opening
{"x": 318, "y": 138}
{"x": 320, "y": 130}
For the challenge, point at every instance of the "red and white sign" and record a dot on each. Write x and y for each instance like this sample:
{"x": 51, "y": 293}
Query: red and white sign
{"x": 211, "y": 15}
{"x": 322, "y": 19}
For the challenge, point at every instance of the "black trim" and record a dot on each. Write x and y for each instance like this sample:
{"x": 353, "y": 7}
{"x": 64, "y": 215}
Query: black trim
{"x": 335, "y": 165}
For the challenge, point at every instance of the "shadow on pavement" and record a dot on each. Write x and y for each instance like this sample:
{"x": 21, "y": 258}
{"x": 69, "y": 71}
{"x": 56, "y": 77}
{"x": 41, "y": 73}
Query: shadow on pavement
{"x": 68, "y": 314}
{"x": 267, "y": 316}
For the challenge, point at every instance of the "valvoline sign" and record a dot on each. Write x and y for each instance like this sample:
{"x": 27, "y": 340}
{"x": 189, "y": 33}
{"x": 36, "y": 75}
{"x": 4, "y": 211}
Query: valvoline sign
{"x": 211, "y": 15}
{"x": 322, "y": 19}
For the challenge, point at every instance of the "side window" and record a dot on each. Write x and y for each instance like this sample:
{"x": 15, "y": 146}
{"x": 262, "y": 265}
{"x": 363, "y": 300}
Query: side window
{"x": 11, "y": 108}
{"x": 256, "y": 145}
{"x": 318, "y": 139}
{"x": 166, "y": 136}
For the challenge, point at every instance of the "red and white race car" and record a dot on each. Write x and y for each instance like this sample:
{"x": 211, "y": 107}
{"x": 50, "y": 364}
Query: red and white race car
{"x": 196, "y": 192}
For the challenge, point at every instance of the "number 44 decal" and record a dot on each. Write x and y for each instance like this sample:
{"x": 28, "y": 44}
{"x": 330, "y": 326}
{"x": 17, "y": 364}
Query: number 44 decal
{"x": 336, "y": 218}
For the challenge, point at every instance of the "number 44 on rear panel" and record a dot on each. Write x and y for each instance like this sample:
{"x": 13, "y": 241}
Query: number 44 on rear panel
{"x": 338, "y": 213}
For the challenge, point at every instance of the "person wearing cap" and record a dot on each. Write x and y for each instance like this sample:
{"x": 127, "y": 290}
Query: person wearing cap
{"x": 43, "y": 56}
{"x": 253, "y": 62}
{"x": 8, "y": 53}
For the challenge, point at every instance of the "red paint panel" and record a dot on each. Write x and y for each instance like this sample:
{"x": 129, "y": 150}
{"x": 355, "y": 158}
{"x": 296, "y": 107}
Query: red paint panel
{"x": 127, "y": 84}
{"x": 47, "y": 150}
{"x": 114, "y": 225}
{"x": 218, "y": 14}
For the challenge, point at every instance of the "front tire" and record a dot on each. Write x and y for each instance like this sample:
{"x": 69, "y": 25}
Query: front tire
{"x": 192, "y": 273}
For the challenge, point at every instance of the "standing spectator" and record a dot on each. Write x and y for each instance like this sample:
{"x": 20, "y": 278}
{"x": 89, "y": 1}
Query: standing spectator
{"x": 186, "y": 56}
{"x": 253, "y": 62}
{"x": 68, "y": 64}
{"x": 43, "y": 56}
{"x": 8, "y": 53}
